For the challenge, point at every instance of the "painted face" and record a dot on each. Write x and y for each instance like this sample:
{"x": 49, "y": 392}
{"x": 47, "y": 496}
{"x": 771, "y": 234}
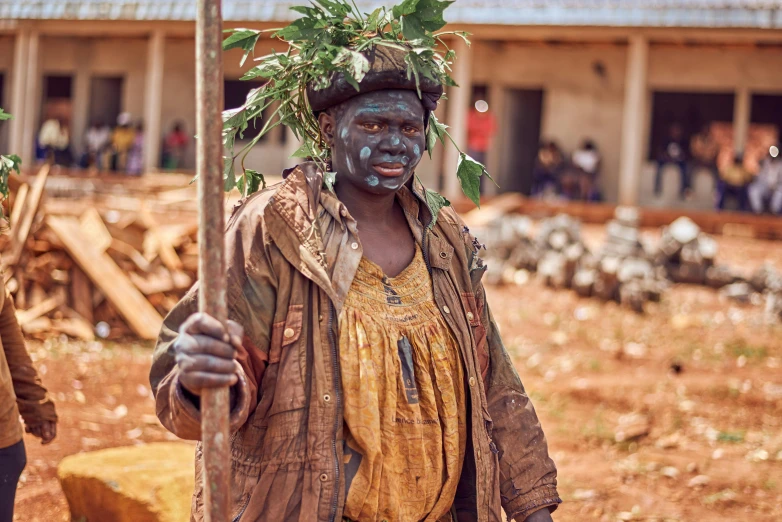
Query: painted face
{"x": 378, "y": 140}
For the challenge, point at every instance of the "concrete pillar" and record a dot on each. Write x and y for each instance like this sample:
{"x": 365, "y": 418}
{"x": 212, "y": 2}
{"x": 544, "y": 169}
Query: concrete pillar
{"x": 17, "y": 106}
{"x": 81, "y": 98}
{"x": 458, "y": 107}
{"x": 742, "y": 112}
{"x": 495, "y": 159}
{"x": 632, "y": 149}
{"x": 32, "y": 100}
{"x": 153, "y": 100}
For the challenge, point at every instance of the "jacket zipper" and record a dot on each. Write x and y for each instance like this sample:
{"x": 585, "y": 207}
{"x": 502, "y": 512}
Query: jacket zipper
{"x": 337, "y": 393}
{"x": 244, "y": 508}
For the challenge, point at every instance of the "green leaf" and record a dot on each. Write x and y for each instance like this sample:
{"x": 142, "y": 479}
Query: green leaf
{"x": 5, "y": 116}
{"x": 405, "y": 8}
{"x": 303, "y": 152}
{"x": 469, "y": 173}
{"x": 244, "y": 39}
{"x": 355, "y": 64}
{"x": 229, "y": 177}
{"x": 435, "y": 201}
{"x": 254, "y": 182}
{"x": 329, "y": 178}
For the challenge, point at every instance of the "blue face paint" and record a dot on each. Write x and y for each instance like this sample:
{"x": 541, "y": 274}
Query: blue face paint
{"x": 372, "y": 180}
{"x": 344, "y": 133}
{"x": 417, "y": 150}
{"x": 394, "y": 141}
{"x": 365, "y": 153}
{"x": 405, "y": 160}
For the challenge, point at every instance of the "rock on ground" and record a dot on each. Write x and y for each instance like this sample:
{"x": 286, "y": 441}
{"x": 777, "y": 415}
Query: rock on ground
{"x": 146, "y": 483}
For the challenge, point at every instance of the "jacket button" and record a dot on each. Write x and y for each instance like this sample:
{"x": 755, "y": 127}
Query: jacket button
{"x": 320, "y": 318}
{"x": 354, "y": 246}
{"x": 443, "y": 255}
{"x": 288, "y": 333}
{"x": 327, "y": 398}
{"x": 446, "y": 310}
{"x": 470, "y": 317}
{"x": 323, "y": 477}
{"x": 472, "y": 381}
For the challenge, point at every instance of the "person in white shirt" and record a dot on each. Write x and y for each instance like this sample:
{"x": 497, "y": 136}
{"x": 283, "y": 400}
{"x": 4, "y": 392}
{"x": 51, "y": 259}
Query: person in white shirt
{"x": 767, "y": 186}
{"x": 587, "y": 159}
{"x": 97, "y": 139}
{"x": 55, "y": 140}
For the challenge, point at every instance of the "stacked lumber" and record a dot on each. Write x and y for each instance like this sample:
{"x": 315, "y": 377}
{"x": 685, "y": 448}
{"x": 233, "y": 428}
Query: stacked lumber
{"x": 98, "y": 257}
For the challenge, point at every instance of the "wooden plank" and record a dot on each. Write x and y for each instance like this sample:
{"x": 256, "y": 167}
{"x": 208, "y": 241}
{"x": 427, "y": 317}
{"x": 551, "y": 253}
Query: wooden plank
{"x": 81, "y": 294}
{"x": 19, "y": 200}
{"x": 140, "y": 315}
{"x": 44, "y": 307}
{"x": 26, "y": 218}
{"x": 131, "y": 253}
{"x": 94, "y": 228}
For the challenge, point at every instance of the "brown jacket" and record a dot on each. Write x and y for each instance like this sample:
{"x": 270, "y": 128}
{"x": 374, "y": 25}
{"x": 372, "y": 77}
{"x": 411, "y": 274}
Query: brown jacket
{"x": 292, "y": 252}
{"x": 21, "y": 391}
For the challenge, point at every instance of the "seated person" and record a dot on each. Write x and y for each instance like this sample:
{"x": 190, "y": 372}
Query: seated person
{"x": 733, "y": 182}
{"x": 674, "y": 151}
{"x": 767, "y": 187}
{"x": 704, "y": 150}
{"x": 587, "y": 160}
{"x": 548, "y": 166}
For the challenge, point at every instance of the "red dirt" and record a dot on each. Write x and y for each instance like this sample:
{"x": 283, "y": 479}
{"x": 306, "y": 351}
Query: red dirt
{"x": 720, "y": 417}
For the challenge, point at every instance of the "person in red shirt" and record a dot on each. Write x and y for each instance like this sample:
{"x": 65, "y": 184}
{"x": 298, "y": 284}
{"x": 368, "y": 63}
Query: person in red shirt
{"x": 174, "y": 147}
{"x": 481, "y": 127}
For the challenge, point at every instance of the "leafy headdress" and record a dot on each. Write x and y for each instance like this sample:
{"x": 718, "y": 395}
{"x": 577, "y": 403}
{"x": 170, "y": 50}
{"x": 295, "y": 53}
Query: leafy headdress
{"x": 8, "y": 163}
{"x": 334, "y": 52}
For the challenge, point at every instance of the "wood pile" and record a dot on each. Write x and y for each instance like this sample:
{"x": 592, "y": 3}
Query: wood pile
{"x": 99, "y": 257}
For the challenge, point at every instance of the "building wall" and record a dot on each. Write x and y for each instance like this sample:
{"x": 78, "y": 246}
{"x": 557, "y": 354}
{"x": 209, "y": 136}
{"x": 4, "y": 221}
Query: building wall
{"x": 6, "y": 70}
{"x": 578, "y": 103}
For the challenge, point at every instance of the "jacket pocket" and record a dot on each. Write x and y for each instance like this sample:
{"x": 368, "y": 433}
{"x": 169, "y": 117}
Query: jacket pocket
{"x": 287, "y": 362}
{"x": 474, "y": 314}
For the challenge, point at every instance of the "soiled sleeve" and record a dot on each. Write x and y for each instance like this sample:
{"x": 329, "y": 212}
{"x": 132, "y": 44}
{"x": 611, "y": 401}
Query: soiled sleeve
{"x": 250, "y": 301}
{"x": 32, "y": 399}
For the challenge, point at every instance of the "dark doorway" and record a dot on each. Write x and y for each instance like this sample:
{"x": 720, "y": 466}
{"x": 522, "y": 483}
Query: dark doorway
{"x": 767, "y": 109}
{"x": 524, "y": 109}
{"x": 55, "y": 86}
{"x": 106, "y": 99}
{"x": 690, "y": 110}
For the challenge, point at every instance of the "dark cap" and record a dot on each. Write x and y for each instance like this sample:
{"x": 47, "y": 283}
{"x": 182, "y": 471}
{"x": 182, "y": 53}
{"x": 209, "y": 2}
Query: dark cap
{"x": 387, "y": 71}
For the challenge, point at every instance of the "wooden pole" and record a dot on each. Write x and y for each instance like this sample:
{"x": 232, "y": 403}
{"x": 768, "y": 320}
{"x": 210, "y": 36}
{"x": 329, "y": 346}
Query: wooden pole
{"x": 211, "y": 262}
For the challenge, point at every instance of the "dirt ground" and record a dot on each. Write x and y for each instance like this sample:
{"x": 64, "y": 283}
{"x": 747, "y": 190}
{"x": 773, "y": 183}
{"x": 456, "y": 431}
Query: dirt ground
{"x": 675, "y": 415}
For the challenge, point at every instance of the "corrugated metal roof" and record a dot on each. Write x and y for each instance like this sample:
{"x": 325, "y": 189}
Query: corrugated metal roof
{"x": 633, "y": 13}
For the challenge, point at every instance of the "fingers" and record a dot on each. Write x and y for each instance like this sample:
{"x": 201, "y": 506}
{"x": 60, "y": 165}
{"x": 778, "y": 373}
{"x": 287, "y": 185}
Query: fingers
{"x": 205, "y": 363}
{"x": 201, "y": 323}
{"x": 236, "y": 331}
{"x": 204, "y": 345}
{"x": 48, "y": 432}
{"x": 198, "y": 381}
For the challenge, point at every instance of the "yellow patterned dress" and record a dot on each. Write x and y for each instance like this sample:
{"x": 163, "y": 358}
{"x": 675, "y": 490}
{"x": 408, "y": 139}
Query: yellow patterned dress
{"x": 404, "y": 403}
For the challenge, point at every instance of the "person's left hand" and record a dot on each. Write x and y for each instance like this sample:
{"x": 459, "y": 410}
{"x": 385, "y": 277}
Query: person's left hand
{"x": 46, "y": 431}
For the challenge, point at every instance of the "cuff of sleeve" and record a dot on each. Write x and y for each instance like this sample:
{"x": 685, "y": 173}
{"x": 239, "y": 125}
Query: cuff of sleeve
{"x": 189, "y": 414}
{"x": 523, "y": 506}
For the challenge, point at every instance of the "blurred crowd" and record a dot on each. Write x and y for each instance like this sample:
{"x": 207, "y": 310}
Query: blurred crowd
{"x": 741, "y": 183}
{"x": 118, "y": 149}
{"x": 572, "y": 177}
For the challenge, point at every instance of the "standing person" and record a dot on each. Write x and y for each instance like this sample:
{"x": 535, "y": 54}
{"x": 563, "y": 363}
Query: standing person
{"x": 734, "y": 181}
{"x": 136, "y": 153}
{"x": 174, "y": 147}
{"x": 21, "y": 393}
{"x": 97, "y": 139}
{"x": 54, "y": 139}
{"x": 122, "y": 139}
{"x": 481, "y": 127}
{"x": 368, "y": 378}
{"x": 548, "y": 166}
{"x": 767, "y": 187}
{"x": 674, "y": 151}
{"x": 587, "y": 159}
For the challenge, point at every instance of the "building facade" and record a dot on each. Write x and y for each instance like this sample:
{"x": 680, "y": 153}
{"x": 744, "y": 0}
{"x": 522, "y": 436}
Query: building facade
{"x": 618, "y": 72}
